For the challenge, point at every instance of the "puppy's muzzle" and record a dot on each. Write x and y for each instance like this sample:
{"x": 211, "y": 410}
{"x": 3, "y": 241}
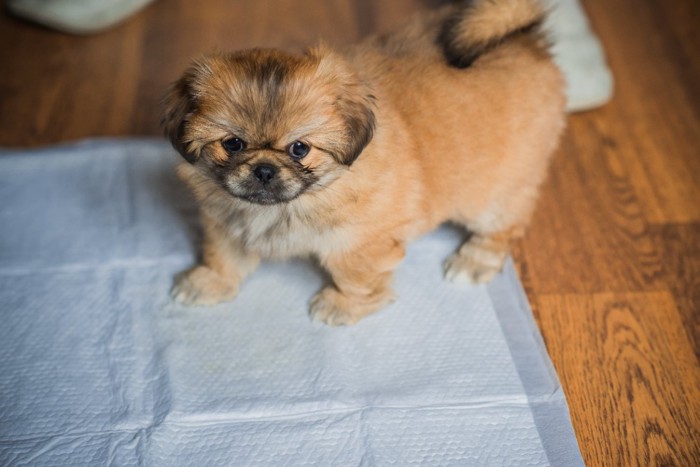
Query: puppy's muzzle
{"x": 264, "y": 173}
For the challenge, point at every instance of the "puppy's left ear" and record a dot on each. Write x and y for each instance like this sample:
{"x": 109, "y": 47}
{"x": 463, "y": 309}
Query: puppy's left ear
{"x": 179, "y": 105}
{"x": 354, "y": 103}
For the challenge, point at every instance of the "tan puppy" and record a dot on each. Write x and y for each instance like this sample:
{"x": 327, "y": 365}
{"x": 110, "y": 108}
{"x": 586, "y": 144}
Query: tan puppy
{"x": 347, "y": 156}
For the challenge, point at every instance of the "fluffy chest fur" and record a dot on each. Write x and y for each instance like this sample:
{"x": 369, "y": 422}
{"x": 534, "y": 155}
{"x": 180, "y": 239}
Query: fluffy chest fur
{"x": 282, "y": 231}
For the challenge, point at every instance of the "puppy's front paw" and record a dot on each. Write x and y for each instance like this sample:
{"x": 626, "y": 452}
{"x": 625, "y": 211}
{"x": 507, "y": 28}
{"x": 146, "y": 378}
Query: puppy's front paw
{"x": 202, "y": 286}
{"x": 336, "y": 309}
{"x": 474, "y": 265}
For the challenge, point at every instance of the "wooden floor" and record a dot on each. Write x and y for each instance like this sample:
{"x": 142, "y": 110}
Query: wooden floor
{"x": 612, "y": 262}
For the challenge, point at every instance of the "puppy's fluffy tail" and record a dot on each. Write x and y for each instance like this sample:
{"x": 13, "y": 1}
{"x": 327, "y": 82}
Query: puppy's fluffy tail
{"x": 478, "y": 26}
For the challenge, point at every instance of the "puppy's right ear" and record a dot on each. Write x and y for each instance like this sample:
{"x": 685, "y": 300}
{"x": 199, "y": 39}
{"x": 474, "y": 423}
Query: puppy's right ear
{"x": 179, "y": 105}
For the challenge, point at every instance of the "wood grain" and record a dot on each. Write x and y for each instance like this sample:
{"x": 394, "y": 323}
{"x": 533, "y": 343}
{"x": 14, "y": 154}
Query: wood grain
{"x": 589, "y": 232}
{"x": 612, "y": 262}
{"x": 629, "y": 374}
{"x": 681, "y": 252}
{"x": 656, "y": 113}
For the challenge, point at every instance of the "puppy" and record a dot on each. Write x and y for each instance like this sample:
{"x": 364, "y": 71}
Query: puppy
{"x": 346, "y": 156}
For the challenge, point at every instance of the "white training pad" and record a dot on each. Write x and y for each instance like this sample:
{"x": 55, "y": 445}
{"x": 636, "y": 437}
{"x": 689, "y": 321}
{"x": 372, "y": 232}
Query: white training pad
{"x": 99, "y": 367}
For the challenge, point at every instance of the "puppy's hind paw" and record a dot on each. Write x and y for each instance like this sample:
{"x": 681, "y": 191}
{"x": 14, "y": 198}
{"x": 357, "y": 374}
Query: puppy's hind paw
{"x": 202, "y": 286}
{"x": 325, "y": 309}
{"x": 473, "y": 268}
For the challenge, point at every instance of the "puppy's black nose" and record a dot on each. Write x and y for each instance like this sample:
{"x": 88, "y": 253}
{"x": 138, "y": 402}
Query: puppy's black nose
{"x": 264, "y": 172}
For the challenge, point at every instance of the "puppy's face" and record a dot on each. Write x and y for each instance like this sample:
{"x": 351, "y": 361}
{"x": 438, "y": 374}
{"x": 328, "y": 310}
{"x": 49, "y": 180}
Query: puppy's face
{"x": 269, "y": 126}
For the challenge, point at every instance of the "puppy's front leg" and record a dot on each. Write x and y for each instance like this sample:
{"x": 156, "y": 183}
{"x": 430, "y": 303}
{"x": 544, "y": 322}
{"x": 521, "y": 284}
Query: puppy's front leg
{"x": 223, "y": 267}
{"x": 362, "y": 280}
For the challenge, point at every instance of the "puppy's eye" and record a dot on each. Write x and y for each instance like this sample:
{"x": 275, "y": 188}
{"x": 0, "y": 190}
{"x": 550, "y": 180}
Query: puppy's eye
{"x": 233, "y": 145}
{"x": 298, "y": 149}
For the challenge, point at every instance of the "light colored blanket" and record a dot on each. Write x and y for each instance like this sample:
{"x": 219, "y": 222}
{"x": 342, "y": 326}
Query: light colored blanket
{"x": 580, "y": 56}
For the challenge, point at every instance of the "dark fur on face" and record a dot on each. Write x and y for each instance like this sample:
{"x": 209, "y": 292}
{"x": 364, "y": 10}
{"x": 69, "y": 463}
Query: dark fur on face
{"x": 237, "y": 176}
{"x": 270, "y": 100}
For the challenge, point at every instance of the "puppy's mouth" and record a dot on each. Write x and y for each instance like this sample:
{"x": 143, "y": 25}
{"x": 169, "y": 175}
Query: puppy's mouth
{"x": 264, "y": 194}
{"x": 263, "y": 197}
{"x": 264, "y": 182}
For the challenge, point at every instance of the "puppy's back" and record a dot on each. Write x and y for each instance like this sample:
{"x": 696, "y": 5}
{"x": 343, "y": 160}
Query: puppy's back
{"x": 481, "y": 98}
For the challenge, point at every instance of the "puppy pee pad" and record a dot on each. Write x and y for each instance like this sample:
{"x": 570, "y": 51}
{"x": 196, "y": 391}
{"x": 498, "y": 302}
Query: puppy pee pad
{"x": 99, "y": 367}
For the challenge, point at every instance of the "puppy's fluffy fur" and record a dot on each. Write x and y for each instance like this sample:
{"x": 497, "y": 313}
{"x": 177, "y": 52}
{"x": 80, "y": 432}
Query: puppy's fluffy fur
{"x": 346, "y": 156}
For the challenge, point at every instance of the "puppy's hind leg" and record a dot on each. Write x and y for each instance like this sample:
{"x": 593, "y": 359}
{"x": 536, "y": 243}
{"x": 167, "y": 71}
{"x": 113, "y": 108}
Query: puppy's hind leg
{"x": 481, "y": 256}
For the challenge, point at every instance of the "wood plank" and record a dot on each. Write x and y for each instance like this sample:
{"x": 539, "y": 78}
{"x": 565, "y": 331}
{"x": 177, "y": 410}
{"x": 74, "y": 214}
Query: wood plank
{"x": 589, "y": 233}
{"x": 681, "y": 252}
{"x": 630, "y": 376}
{"x": 63, "y": 87}
{"x": 655, "y": 115}
{"x": 625, "y": 166}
